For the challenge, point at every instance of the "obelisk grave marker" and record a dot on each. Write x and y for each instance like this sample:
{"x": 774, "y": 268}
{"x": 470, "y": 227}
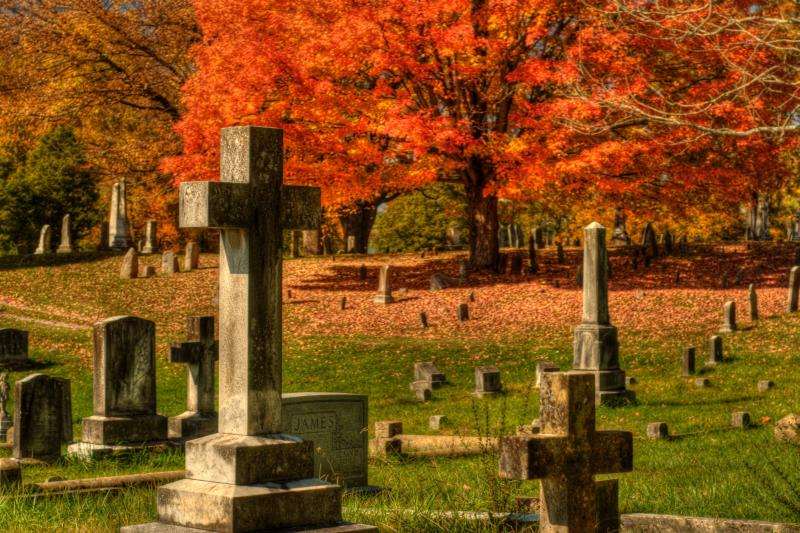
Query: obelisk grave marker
{"x": 249, "y": 476}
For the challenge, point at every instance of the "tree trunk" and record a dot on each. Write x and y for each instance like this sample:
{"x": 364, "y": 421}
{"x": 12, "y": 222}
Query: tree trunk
{"x": 358, "y": 222}
{"x": 484, "y": 246}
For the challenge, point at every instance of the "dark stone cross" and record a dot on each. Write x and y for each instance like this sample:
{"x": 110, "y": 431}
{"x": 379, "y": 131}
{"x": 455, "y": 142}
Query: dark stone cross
{"x": 567, "y": 453}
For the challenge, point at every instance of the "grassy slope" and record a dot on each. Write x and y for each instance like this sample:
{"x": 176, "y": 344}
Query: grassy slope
{"x": 710, "y": 470}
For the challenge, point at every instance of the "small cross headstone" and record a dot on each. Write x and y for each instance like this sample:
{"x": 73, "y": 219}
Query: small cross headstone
{"x": 657, "y": 430}
{"x": 45, "y": 241}
{"x": 130, "y": 265}
{"x": 567, "y": 454}
{"x": 191, "y": 257}
{"x": 429, "y": 373}
{"x": 384, "y": 294}
{"x": 729, "y": 315}
{"x": 487, "y": 381}
{"x": 714, "y": 349}
{"x": 42, "y": 417}
{"x": 199, "y": 354}
{"x": 65, "y": 246}
{"x": 463, "y": 312}
{"x": 541, "y": 368}
{"x": 423, "y": 319}
{"x": 13, "y": 347}
{"x": 688, "y": 361}
{"x": 740, "y": 419}
{"x": 794, "y": 289}
{"x": 752, "y": 300}
{"x": 150, "y": 237}
{"x": 169, "y": 263}
{"x": 764, "y": 385}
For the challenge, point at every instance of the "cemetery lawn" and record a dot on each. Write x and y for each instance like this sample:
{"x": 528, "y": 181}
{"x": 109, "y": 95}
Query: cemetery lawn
{"x": 707, "y": 469}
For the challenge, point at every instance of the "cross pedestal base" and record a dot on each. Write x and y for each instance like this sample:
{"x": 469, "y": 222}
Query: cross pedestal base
{"x": 191, "y": 424}
{"x": 128, "y": 429}
{"x": 596, "y": 350}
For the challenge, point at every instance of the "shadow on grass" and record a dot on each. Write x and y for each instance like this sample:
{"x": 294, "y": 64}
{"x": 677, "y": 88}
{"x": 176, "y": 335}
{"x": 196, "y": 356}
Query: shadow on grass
{"x": 14, "y": 262}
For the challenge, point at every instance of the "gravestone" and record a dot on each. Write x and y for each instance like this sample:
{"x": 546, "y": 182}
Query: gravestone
{"x": 65, "y": 246}
{"x": 516, "y": 264}
{"x": 119, "y": 237}
{"x": 295, "y": 240}
{"x": 342, "y": 303}
{"x": 310, "y": 242}
{"x": 688, "y": 361}
{"x": 441, "y": 281}
{"x": 620, "y": 235}
{"x": 13, "y": 347}
{"x": 487, "y": 381}
{"x": 42, "y": 417}
{"x": 649, "y": 241}
{"x": 533, "y": 266}
{"x": 45, "y": 241}
{"x": 740, "y": 419}
{"x": 560, "y": 253}
{"x": 337, "y": 425}
{"x": 668, "y": 243}
{"x": 422, "y": 390}
{"x": 462, "y": 312}
{"x": 596, "y": 348}
{"x": 752, "y": 300}
{"x": 351, "y": 244}
{"x": 169, "y": 263}
{"x": 538, "y": 236}
{"x": 130, "y": 265}
{"x": 567, "y": 454}
{"x": 794, "y": 289}
{"x": 384, "y": 294}
{"x": 729, "y": 317}
{"x": 541, "y": 368}
{"x": 428, "y": 372}
{"x": 124, "y": 385}
{"x": 191, "y": 256}
{"x": 702, "y": 383}
{"x": 199, "y": 354}
{"x": 362, "y": 272}
{"x": 149, "y": 271}
{"x": 657, "y": 430}
{"x": 150, "y": 237}
{"x": 764, "y": 385}
{"x": 5, "y": 395}
{"x": 231, "y": 476}
{"x": 463, "y": 269}
{"x": 437, "y": 422}
{"x": 715, "y": 349}
{"x": 423, "y": 319}
{"x": 10, "y": 475}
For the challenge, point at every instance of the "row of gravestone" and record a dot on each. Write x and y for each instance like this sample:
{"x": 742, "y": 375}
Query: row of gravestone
{"x": 124, "y": 403}
{"x": 169, "y": 263}
{"x": 428, "y": 377}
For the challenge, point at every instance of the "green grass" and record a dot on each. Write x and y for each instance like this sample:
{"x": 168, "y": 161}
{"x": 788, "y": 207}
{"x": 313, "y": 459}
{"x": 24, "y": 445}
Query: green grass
{"x": 707, "y": 470}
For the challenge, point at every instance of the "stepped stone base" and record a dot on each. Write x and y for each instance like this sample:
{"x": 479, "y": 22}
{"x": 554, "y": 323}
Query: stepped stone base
{"x": 343, "y": 527}
{"x": 87, "y": 450}
{"x": 120, "y": 430}
{"x": 190, "y": 425}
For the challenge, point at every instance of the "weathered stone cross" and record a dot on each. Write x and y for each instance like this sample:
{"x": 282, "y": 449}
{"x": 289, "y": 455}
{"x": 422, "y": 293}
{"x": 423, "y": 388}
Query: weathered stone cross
{"x": 567, "y": 453}
{"x": 251, "y": 206}
{"x": 199, "y": 353}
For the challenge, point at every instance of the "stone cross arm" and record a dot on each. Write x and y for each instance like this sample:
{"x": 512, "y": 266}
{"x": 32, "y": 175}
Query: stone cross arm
{"x": 212, "y": 204}
{"x": 191, "y": 352}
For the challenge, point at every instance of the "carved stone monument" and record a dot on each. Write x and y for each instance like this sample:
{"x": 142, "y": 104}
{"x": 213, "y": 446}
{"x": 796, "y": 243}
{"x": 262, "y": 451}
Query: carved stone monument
{"x": 150, "y": 238}
{"x": 620, "y": 236}
{"x": 65, "y": 246}
{"x": 13, "y": 347}
{"x": 119, "y": 237}
{"x": 384, "y": 294}
{"x": 42, "y": 417}
{"x": 45, "y": 241}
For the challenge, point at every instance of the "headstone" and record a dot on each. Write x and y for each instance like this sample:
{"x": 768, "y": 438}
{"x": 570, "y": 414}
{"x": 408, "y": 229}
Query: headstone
{"x": 538, "y": 236}
{"x": 688, "y": 361}
{"x": 10, "y": 475}
{"x": 702, "y": 383}
{"x": 596, "y": 348}
{"x": 764, "y": 385}
{"x": 668, "y": 243}
{"x": 191, "y": 256}
{"x": 362, "y": 272}
{"x": 794, "y": 289}
{"x": 620, "y": 235}
{"x": 351, "y": 244}
{"x": 441, "y": 281}
{"x": 42, "y": 417}
{"x": 550, "y": 234}
{"x": 752, "y": 300}
{"x": 560, "y": 253}
{"x": 715, "y": 349}
{"x": 130, "y": 265}
{"x": 199, "y": 354}
{"x": 150, "y": 237}
{"x": 436, "y": 422}
{"x": 428, "y": 372}
{"x": 295, "y": 240}
{"x": 516, "y": 264}
{"x": 342, "y": 303}
{"x": 422, "y": 390}
{"x": 5, "y": 395}
{"x": 541, "y": 368}
{"x": 65, "y": 246}
{"x": 423, "y": 319}
{"x": 520, "y": 236}
{"x": 230, "y": 475}
{"x": 630, "y": 380}
{"x": 657, "y": 430}
{"x": 567, "y": 454}
{"x": 45, "y": 241}
{"x": 384, "y": 294}
{"x": 729, "y": 317}
{"x": 149, "y": 271}
{"x": 463, "y": 269}
{"x": 139, "y": 245}
{"x": 487, "y": 381}
{"x": 13, "y": 347}
{"x": 169, "y": 263}
{"x": 119, "y": 237}
{"x": 533, "y": 266}
{"x": 740, "y": 419}
{"x": 649, "y": 241}
{"x": 310, "y": 242}
{"x": 462, "y": 312}
{"x": 471, "y": 296}
{"x": 124, "y": 384}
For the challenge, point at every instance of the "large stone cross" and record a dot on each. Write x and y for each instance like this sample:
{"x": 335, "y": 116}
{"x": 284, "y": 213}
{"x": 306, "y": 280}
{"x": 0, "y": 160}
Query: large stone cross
{"x": 567, "y": 453}
{"x": 199, "y": 353}
{"x": 252, "y": 207}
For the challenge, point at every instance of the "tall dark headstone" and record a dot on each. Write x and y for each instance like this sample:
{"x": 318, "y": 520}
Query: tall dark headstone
{"x": 42, "y": 417}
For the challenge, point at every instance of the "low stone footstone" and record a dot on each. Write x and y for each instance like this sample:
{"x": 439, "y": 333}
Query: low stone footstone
{"x": 199, "y": 354}
{"x": 10, "y": 475}
{"x": 715, "y": 349}
{"x": 788, "y": 429}
{"x": 436, "y": 422}
{"x": 342, "y": 303}
{"x": 362, "y": 272}
{"x": 169, "y": 263}
{"x": 764, "y": 385}
{"x": 541, "y": 368}
{"x": 65, "y": 245}
{"x": 441, "y": 281}
{"x": 124, "y": 385}
{"x": 629, "y": 380}
{"x": 385, "y": 433}
{"x": 462, "y": 312}
{"x": 13, "y": 347}
{"x": 740, "y": 419}
{"x": 487, "y": 381}
{"x": 794, "y": 289}
{"x": 45, "y": 241}
{"x": 130, "y": 265}
{"x": 729, "y": 318}
{"x": 384, "y": 294}
{"x": 702, "y": 383}
{"x": 42, "y": 417}
{"x": 516, "y": 264}
{"x": 657, "y": 430}
{"x": 502, "y": 263}
{"x": 567, "y": 454}
{"x": 150, "y": 237}
{"x": 422, "y": 390}
{"x": 149, "y": 271}
{"x": 191, "y": 257}
{"x": 752, "y": 300}
{"x": 688, "y": 361}
{"x": 533, "y": 266}
{"x": 560, "y": 254}
{"x": 423, "y": 319}
{"x": 428, "y": 372}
